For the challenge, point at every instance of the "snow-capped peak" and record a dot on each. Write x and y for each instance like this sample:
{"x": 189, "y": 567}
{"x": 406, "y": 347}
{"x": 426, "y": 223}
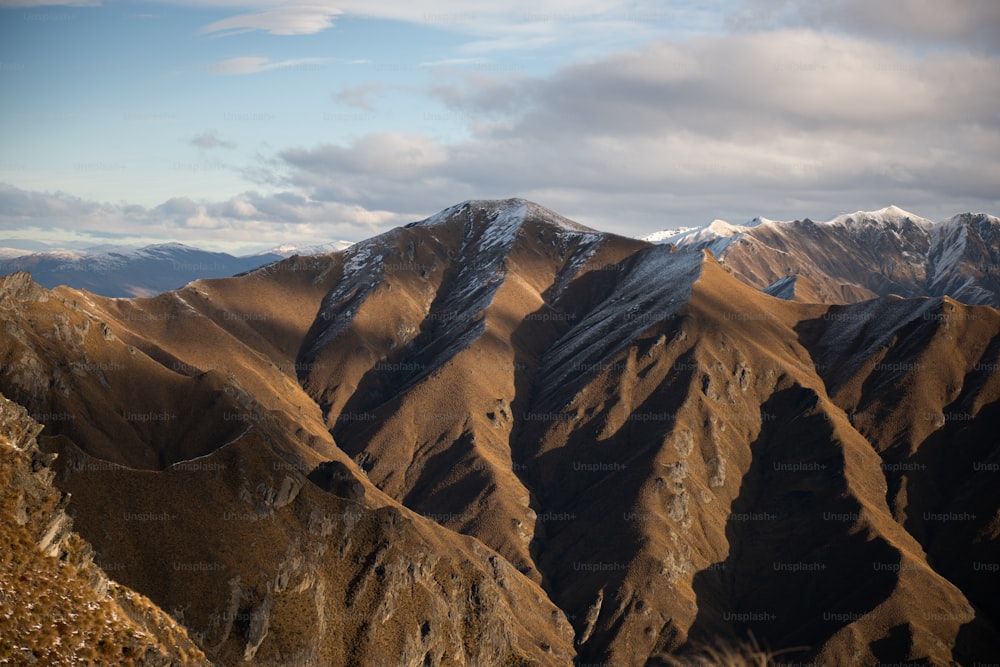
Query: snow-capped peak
{"x": 958, "y": 218}
{"x": 157, "y": 250}
{"x": 289, "y": 249}
{"x": 724, "y": 228}
{"x": 717, "y": 229}
{"x": 507, "y": 211}
{"x": 888, "y": 215}
{"x": 716, "y": 236}
{"x": 667, "y": 234}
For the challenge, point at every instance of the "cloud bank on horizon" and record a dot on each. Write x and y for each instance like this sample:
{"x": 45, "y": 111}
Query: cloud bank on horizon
{"x": 239, "y": 124}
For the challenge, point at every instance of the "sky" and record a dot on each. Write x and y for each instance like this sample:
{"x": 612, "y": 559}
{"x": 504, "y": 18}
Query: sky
{"x": 239, "y": 125}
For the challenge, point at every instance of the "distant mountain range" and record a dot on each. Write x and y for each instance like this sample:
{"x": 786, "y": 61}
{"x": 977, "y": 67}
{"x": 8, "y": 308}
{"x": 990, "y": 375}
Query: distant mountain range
{"x": 128, "y": 272}
{"x": 858, "y": 256}
{"x": 498, "y": 437}
{"x": 853, "y": 257}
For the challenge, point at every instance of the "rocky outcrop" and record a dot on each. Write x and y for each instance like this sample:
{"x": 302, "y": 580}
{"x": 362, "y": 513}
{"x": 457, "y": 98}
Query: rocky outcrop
{"x": 59, "y": 607}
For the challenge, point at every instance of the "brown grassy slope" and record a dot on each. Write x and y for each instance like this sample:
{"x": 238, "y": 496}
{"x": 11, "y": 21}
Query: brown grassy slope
{"x": 56, "y": 606}
{"x": 645, "y": 445}
{"x": 247, "y": 329}
{"x": 203, "y": 537}
{"x": 263, "y": 565}
{"x": 618, "y": 546}
{"x": 685, "y": 455}
{"x": 835, "y": 264}
{"x": 64, "y": 363}
{"x": 422, "y": 331}
{"x": 927, "y": 392}
{"x": 590, "y": 486}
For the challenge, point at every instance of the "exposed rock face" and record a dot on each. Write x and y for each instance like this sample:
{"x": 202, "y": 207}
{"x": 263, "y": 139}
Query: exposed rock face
{"x": 497, "y": 437}
{"x": 56, "y": 605}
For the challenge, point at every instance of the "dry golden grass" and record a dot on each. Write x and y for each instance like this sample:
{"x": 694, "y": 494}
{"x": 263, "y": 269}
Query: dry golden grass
{"x": 724, "y": 654}
{"x": 49, "y": 612}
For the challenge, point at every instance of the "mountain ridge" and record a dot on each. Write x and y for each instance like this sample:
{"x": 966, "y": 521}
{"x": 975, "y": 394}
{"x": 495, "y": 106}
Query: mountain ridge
{"x": 629, "y": 445}
{"x": 861, "y": 255}
{"x": 146, "y": 271}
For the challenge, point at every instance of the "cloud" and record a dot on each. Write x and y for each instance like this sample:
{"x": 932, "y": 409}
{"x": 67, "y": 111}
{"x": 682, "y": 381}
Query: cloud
{"x": 786, "y": 123}
{"x": 210, "y": 139}
{"x": 359, "y": 97}
{"x": 255, "y": 64}
{"x": 250, "y": 220}
{"x": 392, "y": 154}
{"x": 489, "y": 26}
{"x": 531, "y": 24}
{"x": 291, "y": 19}
{"x": 964, "y": 23}
{"x": 747, "y": 83}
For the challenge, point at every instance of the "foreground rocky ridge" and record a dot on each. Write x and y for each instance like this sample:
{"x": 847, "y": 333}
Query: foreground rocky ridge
{"x": 498, "y": 424}
{"x": 56, "y": 605}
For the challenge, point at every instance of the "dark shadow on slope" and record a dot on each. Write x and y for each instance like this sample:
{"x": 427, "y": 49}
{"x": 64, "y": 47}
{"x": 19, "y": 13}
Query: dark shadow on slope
{"x": 454, "y": 319}
{"x": 448, "y": 503}
{"x": 947, "y": 490}
{"x": 336, "y": 477}
{"x": 585, "y": 490}
{"x": 896, "y": 643}
{"x": 797, "y": 570}
{"x": 845, "y": 337}
{"x": 951, "y": 484}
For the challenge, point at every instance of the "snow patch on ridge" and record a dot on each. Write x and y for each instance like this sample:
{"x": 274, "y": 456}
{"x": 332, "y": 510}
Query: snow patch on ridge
{"x": 719, "y": 234}
{"x": 782, "y": 288}
{"x": 497, "y": 208}
{"x": 363, "y": 271}
{"x": 888, "y": 216}
{"x": 288, "y": 249}
{"x": 656, "y": 283}
{"x": 948, "y": 242}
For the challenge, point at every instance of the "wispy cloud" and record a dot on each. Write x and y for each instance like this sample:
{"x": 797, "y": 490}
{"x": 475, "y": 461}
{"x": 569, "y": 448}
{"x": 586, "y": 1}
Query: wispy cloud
{"x": 210, "y": 139}
{"x": 490, "y": 26}
{"x": 359, "y": 97}
{"x": 256, "y": 64}
{"x": 292, "y": 19}
{"x": 267, "y": 219}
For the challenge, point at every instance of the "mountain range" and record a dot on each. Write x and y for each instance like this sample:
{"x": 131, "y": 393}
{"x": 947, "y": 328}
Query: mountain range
{"x": 130, "y": 272}
{"x": 858, "y": 256}
{"x": 498, "y": 437}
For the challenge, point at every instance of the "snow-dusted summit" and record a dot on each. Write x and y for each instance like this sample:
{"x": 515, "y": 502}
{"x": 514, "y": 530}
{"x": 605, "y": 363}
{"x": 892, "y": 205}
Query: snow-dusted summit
{"x": 289, "y": 249}
{"x": 126, "y": 272}
{"x": 859, "y": 255}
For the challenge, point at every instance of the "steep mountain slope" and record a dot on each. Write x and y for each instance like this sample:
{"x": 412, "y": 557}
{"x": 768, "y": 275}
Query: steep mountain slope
{"x": 495, "y": 435}
{"x": 56, "y": 605}
{"x": 927, "y": 395}
{"x": 601, "y": 401}
{"x": 860, "y": 256}
{"x": 227, "y": 507}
